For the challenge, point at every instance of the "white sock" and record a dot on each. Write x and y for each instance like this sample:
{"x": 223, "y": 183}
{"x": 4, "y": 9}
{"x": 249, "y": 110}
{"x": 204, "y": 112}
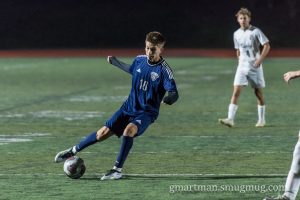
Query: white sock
{"x": 232, "y": 108}
{"x": 293, "y": 180}
{"x": 74, "y": 150}
{"x": 261, "y": 113}
{"x": 118, "y": 169}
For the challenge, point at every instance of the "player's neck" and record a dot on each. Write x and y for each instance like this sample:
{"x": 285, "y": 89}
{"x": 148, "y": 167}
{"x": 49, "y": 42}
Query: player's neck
{"x": 246, "y": 27}
{"x": 155, "y": 62}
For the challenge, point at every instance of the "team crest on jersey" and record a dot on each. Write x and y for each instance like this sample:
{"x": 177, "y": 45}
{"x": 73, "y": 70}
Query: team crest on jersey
{"x": 154, "y": 76}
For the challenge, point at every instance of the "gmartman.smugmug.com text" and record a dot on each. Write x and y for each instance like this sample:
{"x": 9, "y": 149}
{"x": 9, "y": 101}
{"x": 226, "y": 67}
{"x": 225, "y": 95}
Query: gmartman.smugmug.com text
{"x": 226, "y": 188}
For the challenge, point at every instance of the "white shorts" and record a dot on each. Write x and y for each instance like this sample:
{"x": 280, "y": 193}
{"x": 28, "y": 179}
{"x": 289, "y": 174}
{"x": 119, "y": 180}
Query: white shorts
{"x": 248, "y": 73}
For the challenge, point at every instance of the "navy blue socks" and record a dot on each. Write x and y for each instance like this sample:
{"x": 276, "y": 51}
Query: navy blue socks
{"x": 87, "y": 141}
{"x": 127, "y": 143}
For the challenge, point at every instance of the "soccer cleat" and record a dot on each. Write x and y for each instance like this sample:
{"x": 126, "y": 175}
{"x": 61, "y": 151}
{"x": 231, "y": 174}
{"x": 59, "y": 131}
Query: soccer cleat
{"x": 281, "y": 197}
{"x": 227, "y": 122}
{"x": 64, "y": 155}
{"x": 112, "y": 175}
{"x": 260, "y": 124}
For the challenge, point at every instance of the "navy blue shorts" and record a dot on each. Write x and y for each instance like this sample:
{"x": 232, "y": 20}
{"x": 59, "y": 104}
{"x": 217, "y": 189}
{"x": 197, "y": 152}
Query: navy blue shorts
{"x": 118, "y": 122}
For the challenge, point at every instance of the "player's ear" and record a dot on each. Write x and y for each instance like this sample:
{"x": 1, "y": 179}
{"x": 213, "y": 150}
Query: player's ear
{"x": 161, "y": 46}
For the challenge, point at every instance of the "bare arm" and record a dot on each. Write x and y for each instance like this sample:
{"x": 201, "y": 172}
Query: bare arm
{"x": 264, "y": 53}
{"x": 114, "y": 61}
{"x": 291, "y": 75}
{"x": 237, "y": 53}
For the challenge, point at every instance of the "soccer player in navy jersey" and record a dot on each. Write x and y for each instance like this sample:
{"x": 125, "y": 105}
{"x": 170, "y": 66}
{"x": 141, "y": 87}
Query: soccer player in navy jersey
{"x": 151, "y": 79}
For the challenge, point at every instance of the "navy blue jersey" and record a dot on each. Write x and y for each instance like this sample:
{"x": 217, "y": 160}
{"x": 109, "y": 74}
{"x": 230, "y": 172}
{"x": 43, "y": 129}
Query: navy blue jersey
{"x": 150, "y": 82}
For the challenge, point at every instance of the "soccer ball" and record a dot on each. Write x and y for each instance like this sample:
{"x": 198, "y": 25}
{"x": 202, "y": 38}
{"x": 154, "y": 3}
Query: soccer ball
{"x": 74, "y": 167}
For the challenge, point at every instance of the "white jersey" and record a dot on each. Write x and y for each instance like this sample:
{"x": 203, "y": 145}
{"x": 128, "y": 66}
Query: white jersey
{"x": 248, "y": 43}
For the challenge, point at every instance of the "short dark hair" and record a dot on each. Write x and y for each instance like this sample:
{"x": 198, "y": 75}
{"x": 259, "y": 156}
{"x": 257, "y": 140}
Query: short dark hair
{"x": 155, "y": 38}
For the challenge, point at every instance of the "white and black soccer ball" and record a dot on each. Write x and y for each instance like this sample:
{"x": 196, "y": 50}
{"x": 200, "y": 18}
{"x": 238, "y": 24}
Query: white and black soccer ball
{"x": 74, "y": 167}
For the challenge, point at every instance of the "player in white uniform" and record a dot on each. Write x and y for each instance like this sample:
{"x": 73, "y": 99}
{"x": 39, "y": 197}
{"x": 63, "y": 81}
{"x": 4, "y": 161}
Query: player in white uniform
{"x": 293, "y": 179}
{"x": 247, "y": 42}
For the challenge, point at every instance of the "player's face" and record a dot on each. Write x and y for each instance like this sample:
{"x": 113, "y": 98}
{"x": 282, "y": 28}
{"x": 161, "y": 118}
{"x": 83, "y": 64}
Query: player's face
{"x": 153, "y": 52}
{"x": 244, "y": 21}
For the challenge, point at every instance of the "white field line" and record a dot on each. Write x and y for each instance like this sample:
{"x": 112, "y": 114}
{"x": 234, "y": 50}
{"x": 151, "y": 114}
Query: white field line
{"x": 18, "y": 66}
{"x": 66, "y": 115}
{"x": 158, "y": 175}
{"x": 211, "y": 152}
{"x": 214, "y": 136}
{"x": 205, "y": 175}
{"x": 97, "y": 98}
{"x": 25, "y": 137}
{"x": 9, "y": 140}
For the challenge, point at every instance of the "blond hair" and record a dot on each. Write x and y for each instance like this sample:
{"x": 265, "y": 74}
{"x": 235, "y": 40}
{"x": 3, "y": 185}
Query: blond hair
{"x": 243, "y": 11}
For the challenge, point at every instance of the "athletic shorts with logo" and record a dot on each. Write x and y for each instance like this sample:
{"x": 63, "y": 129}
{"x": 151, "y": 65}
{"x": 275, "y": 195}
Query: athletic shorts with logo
{"x": 118, "y": 122}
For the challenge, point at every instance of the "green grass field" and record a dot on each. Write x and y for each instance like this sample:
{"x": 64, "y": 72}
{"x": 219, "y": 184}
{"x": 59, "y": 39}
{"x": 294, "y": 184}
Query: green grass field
{"x": 49, "y": 104}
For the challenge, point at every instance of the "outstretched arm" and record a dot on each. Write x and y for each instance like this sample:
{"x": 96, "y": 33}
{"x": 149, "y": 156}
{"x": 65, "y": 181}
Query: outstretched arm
{"x": 114, "y": 61}
{"x": 291, "y": 75}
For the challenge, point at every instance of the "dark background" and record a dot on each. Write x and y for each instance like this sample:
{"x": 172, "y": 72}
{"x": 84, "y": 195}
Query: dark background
{"x": 44, "y": 24}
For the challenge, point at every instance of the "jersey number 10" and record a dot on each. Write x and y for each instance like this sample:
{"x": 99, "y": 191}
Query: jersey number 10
{"x": 143, "y": 85}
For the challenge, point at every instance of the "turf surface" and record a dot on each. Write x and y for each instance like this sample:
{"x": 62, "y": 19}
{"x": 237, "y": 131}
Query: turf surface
{"x": 49, "y": 104}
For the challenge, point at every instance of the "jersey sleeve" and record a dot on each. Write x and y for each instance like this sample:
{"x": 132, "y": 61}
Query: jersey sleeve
{"x": 235, "y": 42}
{"x": 133, "y": 65}
{"x": 261, "y": 37}
{"x": 168, "y": 79}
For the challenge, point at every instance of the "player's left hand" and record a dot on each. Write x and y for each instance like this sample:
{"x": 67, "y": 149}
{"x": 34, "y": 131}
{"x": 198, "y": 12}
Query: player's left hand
{"x": 288, "y": 76}
{"x": 163, "y": 102}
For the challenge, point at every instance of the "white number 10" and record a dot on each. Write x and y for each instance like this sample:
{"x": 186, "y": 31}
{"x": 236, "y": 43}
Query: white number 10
{"x": 143, "y": 85}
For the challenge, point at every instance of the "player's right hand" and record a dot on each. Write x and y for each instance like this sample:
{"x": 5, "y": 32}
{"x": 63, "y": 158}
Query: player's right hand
{"x": 286, "y": 77}
{"x": 109, "y": 59}
{"x": 257, "y": 63}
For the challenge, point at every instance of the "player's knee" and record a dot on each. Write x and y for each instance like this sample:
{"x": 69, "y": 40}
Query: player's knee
{"x": 295, "y": 168}
{"x": 130, "y": 130}
{"x": 102, "y": 132}
{"x": 258, "y": 92}
{"x": 236, "y": 94}
{"x": 297, "y": 150}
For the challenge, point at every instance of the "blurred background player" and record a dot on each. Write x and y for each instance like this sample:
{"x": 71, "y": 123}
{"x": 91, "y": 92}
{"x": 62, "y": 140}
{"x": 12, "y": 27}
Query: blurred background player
{"x": 247, "y": 41}
{"x": 293, "y": 180}
{"x": 151, "y": 79}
